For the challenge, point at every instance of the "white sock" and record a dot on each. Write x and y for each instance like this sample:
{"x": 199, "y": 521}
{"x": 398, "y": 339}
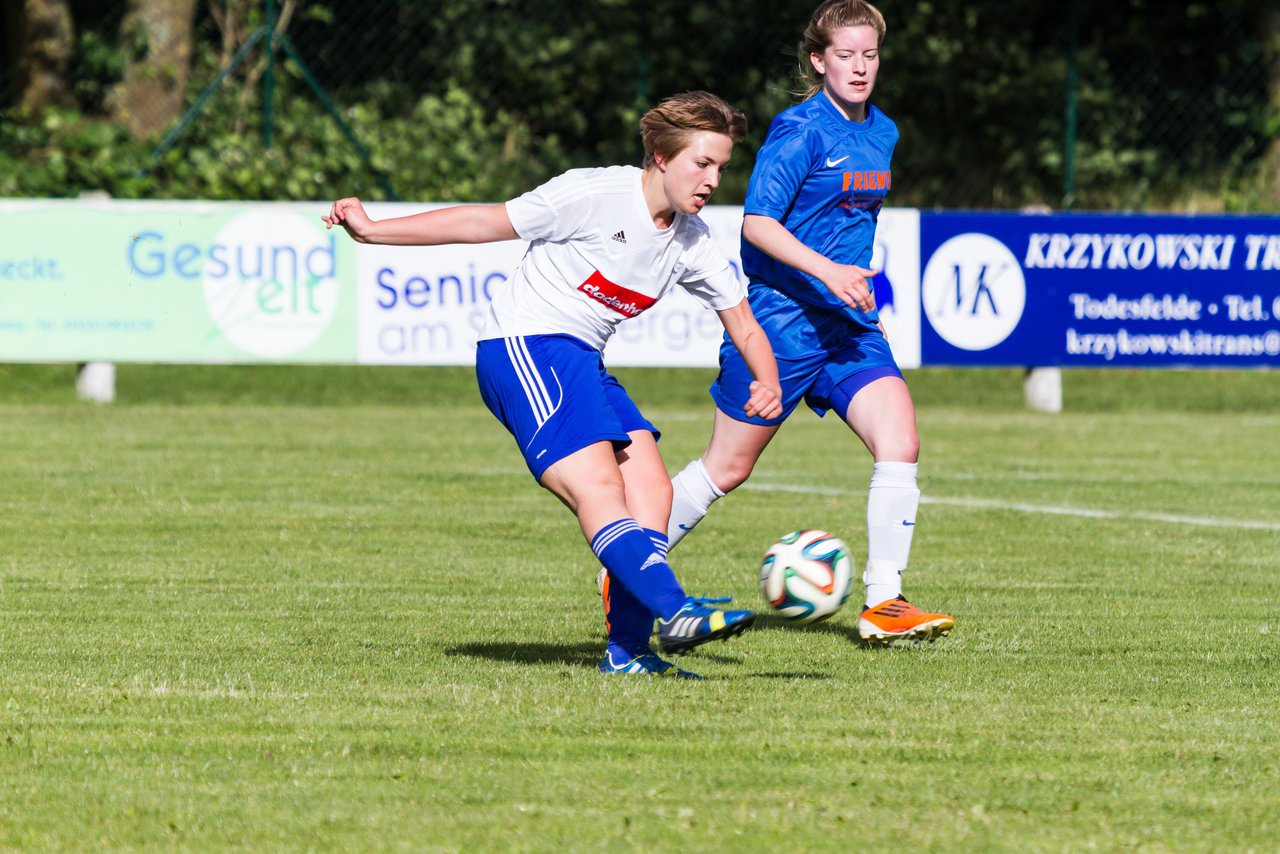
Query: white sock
{"x": 693, "y": 495}
{"x": 891, "y": 520}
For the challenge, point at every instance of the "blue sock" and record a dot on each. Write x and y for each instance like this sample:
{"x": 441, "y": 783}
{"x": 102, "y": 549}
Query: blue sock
{"x": 659, "y": 540}
{"x": 640, "y": 566}
{"x": 629, "y": 622}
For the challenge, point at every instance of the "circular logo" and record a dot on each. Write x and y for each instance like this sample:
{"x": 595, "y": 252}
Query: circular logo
{"x": 269, "y": 283}
{"x": 973, "y": 291}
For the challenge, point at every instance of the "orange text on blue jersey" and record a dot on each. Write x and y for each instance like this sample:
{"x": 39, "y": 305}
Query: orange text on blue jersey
{"x": 875, "y": 183}
{"x": 867, "y": 181}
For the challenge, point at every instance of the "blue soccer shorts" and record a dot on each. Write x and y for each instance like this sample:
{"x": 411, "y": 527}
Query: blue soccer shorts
{"x": 553, "y": 394}
{"x": 826, "y": 370}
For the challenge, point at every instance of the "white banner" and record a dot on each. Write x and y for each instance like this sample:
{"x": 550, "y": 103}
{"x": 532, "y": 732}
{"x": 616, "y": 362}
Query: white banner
{"x": 418, "y": 305}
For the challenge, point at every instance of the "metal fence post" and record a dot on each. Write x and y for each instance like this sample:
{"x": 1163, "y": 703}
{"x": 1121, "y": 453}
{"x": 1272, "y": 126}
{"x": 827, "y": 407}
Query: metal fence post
{"x": 1069, "y": 133}
{"x": 269, "y": 76}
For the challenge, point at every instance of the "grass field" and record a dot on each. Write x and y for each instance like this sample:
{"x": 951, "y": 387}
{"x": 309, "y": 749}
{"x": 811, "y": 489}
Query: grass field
{"x": 326, "y": 609}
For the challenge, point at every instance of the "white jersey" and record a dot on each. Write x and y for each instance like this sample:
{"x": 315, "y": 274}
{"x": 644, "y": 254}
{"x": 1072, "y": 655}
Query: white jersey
{"x": 595, "y": 258}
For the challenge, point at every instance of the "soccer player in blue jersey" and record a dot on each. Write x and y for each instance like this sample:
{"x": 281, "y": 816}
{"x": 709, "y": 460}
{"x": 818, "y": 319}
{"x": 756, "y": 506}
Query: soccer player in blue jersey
{"x": 605, "y": 245}
{"x": 809, "y": 223}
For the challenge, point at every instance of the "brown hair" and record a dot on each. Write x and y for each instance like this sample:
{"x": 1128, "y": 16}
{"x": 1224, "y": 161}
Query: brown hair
{"x": 827, "y": 18}
{"x": 666, "y": 129}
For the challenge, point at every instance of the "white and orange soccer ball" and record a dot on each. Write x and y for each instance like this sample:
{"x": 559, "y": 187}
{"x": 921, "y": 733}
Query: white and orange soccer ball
{"x": 806, "y": 576}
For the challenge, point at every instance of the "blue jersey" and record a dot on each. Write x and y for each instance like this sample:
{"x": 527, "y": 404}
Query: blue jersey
{"x": 825, "y": 178}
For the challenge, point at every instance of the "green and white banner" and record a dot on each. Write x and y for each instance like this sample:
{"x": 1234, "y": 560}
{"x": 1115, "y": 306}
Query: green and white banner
{"x": 223, "y": 282}
{"x": 173, "y": 282}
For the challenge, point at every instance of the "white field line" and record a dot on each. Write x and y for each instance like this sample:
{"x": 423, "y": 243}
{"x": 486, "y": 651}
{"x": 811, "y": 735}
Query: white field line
{"x": 1049, "y": 509}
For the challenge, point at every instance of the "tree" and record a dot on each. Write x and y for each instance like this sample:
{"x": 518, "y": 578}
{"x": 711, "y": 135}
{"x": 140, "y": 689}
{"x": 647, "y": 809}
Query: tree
{"x": 157, "y": 35}
{"x": 42, "y": 38}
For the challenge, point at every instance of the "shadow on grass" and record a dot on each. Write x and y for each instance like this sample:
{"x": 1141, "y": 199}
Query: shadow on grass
{"x": 588, "y": 654}
{"x": 579, "y": 654}
{"x": 767, "y": 623}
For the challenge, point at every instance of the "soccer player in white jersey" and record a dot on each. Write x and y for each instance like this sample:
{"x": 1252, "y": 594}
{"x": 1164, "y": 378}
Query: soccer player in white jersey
{"x": 605, "y": 245}
{"x": 808, "y": 229}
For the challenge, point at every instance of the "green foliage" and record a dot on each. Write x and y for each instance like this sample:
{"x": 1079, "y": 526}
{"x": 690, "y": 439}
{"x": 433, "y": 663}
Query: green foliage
{"x": 446, "y": 148}
{"x": 60, "y": 153}
{"x": 99, "y": 64}
{"x": 479, "y": 100}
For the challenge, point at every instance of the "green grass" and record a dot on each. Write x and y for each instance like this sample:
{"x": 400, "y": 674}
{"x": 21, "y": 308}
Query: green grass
{"x": 325, "y": 608}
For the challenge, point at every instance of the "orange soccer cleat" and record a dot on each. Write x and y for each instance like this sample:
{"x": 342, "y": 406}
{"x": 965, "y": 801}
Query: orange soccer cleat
{"x": 897, "y": 619}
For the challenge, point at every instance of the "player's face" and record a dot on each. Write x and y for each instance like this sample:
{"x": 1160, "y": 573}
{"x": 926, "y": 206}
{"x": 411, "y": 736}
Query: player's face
{"x": 848, "y": 67}
{"x": 690, "y": 177}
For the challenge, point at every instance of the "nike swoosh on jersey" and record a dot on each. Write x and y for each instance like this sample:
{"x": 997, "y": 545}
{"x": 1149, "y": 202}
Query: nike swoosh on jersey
{"x": 831, "y": 164}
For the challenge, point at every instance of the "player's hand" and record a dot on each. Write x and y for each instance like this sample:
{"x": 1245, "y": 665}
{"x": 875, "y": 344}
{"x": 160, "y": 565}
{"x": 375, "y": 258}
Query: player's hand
{"x": 765, "y": 401}
{"x": 349, "y": 214}
{"x": 852, "y": 285}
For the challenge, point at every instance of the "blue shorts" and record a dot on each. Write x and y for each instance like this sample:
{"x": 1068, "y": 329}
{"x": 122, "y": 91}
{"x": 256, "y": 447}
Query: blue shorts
{"x": 837, "y": 361}
{"x": 554, "y": 396}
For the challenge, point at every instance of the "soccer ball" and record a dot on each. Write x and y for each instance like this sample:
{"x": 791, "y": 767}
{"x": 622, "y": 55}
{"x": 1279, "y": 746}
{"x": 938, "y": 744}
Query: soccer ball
{"x": 806, "y": 575}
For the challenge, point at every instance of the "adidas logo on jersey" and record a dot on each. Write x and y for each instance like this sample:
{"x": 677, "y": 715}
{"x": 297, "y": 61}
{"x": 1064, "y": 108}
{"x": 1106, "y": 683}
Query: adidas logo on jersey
{"x": 620, "y": 237}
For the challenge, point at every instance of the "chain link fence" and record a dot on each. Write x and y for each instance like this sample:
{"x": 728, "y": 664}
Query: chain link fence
{"x": 1084, "y": 103}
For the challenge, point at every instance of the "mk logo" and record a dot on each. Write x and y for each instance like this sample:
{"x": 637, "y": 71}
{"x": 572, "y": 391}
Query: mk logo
{"x": 973, "y": 291}
{"x": 621, "y": 237}
{"x": 969, "y": 295}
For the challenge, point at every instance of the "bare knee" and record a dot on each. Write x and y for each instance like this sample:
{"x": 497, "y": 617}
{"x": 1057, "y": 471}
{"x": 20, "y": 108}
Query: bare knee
{"x": 728, "y": 473}
{"x": 662, "y": 493}
{"x": 733, "y": 450}
{"x": 898, "y": 448}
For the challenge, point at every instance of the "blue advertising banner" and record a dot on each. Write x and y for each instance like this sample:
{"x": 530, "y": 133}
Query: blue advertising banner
{"x": 1080, "y": 290}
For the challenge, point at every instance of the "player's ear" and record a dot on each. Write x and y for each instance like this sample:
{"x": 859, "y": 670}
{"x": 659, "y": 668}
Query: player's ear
{"x": 815, "y": 59}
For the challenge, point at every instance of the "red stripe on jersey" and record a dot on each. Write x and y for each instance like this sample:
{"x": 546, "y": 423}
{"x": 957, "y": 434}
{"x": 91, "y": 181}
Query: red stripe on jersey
{"x": 624, "y": 302}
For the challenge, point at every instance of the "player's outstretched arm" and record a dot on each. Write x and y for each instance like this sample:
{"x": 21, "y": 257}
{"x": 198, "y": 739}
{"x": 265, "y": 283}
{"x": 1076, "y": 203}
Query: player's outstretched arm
{"x": 745, "y": 333}
{"x": 459, "y": 224}
{"x": 847, "y": 281}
